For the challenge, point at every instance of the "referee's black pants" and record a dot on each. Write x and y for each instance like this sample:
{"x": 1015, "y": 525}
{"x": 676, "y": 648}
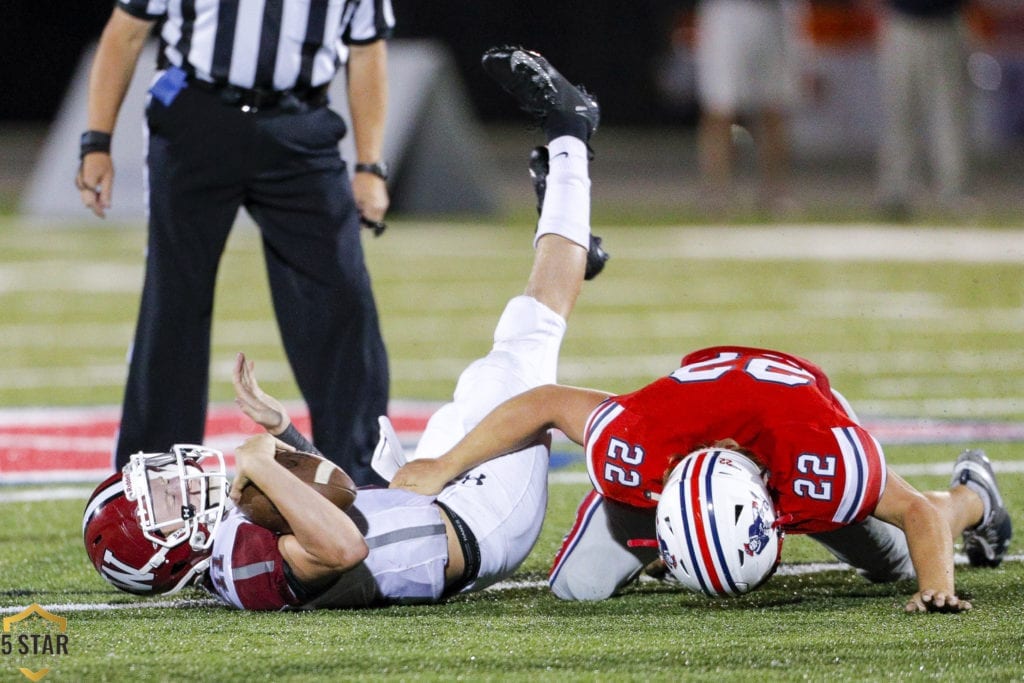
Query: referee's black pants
{"x": 206, "y": 159}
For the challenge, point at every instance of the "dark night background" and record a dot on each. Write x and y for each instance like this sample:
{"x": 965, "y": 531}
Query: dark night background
{"x": 610, "y": 46}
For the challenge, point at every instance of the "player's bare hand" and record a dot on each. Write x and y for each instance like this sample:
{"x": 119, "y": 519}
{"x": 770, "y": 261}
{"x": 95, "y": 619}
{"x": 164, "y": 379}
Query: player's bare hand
{"x": 255, "y": 452}
{"x": 425, "y": 476}
{"x": 261, "y": 407}
{"x": 95, "y": 182}
{"x": 933, "y": 601}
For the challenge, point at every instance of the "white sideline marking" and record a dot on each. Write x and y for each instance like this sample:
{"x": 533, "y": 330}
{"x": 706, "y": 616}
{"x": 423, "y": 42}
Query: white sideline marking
{"x": 840, "y": 243}
{"x": 800, "y": 569}
{"x": 557, "y": 478}
{"x": 108, "y": 606}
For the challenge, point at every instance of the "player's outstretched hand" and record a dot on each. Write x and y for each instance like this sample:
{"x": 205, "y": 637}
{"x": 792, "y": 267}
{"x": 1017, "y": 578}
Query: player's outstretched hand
{"x": 262, "y": 408}
{"x": 930, "y": 601}
{"x": 425, "y": 476}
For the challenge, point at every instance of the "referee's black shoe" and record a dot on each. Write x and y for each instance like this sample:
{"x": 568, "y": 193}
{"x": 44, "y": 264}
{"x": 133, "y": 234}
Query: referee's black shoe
{"x": 543, "y": 92}
{"x": 539, "y": 166}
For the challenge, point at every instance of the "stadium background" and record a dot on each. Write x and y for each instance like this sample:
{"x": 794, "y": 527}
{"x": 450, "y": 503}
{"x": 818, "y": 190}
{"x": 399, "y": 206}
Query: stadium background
{"x": 638, "y": 58}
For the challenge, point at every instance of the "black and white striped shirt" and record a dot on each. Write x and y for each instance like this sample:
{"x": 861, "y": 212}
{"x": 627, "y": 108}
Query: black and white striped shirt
{"x": 270, "y": 44}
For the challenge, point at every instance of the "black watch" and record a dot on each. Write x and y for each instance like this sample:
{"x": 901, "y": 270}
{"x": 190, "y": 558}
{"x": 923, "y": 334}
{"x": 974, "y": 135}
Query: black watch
{"x": 379, "y": 169}
{"x": 94, "y": 141}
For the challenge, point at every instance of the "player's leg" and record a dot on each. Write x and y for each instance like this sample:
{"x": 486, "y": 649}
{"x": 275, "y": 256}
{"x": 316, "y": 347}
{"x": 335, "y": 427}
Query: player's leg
{"x": 974, "y": 508}
{"x": 529, "y": 333}
{"x": 596, "y": 559}
{"x": 948, "y": 107}
{"x": 503, "y": 501}
{"x": 720, "y": 83}
{"x": 773, "y": 158}
{"x": 877, "y": 550}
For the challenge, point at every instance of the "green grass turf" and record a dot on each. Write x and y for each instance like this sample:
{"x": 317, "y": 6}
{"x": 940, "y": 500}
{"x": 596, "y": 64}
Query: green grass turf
{"x": 937, "y": 339}
{"x": 897, "y": 337}
{"x": 828, "y": 625}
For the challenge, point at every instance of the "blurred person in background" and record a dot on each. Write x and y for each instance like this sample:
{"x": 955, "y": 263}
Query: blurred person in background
{"x": 238, "y": 117}
{"x": 743, "y": 79}
{"x": 922, "y": 68}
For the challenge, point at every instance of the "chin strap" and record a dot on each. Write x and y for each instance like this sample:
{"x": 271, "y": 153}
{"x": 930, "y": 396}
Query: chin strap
{"x": 190, "y": 576}
{"x": 782, "y": 521}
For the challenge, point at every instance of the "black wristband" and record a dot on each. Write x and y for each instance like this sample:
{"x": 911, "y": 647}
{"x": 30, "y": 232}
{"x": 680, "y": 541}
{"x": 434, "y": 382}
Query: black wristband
{"x": 94, "y": 141}
{"x": 294, "y": 438}
{"x": 379, "y": 169}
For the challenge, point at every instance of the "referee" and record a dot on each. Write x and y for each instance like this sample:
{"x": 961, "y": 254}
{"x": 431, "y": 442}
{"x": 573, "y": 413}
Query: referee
{"x": 237, "y": 117}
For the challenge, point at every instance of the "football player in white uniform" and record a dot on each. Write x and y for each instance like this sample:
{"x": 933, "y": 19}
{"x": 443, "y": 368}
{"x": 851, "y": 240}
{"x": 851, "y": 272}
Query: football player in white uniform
{"x": 392, "y": 546}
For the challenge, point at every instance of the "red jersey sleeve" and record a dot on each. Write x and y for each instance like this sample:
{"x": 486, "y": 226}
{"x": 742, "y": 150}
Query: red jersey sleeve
{"x": 247, "y": 569}
{"x": 831, "y": 478}
{"x": 627, "y": 454}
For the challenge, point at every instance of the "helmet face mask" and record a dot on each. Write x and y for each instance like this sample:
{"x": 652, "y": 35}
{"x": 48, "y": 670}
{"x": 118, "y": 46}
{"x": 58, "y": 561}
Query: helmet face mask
{"x": 179, "y": 495}
{"x": 715, "y": 524}
{"x": 148, "y": 529}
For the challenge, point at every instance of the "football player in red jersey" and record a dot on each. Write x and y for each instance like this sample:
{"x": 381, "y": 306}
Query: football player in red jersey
{"x": 826, "y": 475}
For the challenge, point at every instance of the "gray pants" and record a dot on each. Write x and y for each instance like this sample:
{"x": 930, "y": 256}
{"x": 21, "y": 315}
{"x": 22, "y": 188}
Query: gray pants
{"x": 922, "y": 69}
{"x": 597, "y": 560}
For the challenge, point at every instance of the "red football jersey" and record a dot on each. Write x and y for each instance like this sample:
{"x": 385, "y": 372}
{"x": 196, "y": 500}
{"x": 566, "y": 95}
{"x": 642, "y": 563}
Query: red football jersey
{"x": 246, "y": 567}
{"x": 824, "y": 471}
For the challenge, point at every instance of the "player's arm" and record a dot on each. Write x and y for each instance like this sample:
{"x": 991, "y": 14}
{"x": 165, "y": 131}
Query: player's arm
{"x": 515, "y": 424}
{"x": 112, "y": 68}
{"x": 324, "y": 541}
{"x": 367, "y": 71}
{"x": 931, "y": 545}
{"x": 264, "y": 409}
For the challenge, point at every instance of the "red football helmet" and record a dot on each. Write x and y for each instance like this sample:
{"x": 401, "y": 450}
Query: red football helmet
{"x": 148, "y": 529}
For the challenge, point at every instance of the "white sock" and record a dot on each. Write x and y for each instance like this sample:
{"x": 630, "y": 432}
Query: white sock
{"x": 566, "y": 209}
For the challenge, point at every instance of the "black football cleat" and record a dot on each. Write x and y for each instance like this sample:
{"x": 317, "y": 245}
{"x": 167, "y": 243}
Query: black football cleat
{"x": 596, "y": 256}
{"x": 538, "y": 87}
{"x": 985, "y": 544}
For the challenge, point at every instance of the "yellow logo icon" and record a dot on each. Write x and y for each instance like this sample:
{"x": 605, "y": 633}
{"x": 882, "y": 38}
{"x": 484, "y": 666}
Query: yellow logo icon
{"x": 35, "y": 644}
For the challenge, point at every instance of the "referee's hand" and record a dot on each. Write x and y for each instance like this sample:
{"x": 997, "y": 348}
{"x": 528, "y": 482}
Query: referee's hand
{"x": 95, "y": 182}
{"x": 371, "y": 195}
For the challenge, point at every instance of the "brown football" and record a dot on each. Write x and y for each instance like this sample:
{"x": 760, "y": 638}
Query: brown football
{"x": 322, "y": 475}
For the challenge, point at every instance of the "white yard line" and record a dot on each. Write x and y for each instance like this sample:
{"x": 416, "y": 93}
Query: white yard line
{"x": 842, "y": 243}
{"x": 800, "y": 569}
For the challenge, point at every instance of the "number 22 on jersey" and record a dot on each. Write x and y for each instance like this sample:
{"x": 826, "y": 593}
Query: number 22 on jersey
{"x": 759, "y": 367}
{"x": 820, "y": 469}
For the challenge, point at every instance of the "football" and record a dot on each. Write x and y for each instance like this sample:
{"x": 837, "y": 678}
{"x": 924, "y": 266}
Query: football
{"x": 322, "y": 475}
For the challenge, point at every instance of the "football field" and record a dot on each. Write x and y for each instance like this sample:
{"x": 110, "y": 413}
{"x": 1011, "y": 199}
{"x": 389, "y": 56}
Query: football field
{"x": 919, "y": 326}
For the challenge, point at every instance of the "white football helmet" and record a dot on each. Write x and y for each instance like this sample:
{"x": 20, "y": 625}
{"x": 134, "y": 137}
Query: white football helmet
{"x": 715, "y": 524}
